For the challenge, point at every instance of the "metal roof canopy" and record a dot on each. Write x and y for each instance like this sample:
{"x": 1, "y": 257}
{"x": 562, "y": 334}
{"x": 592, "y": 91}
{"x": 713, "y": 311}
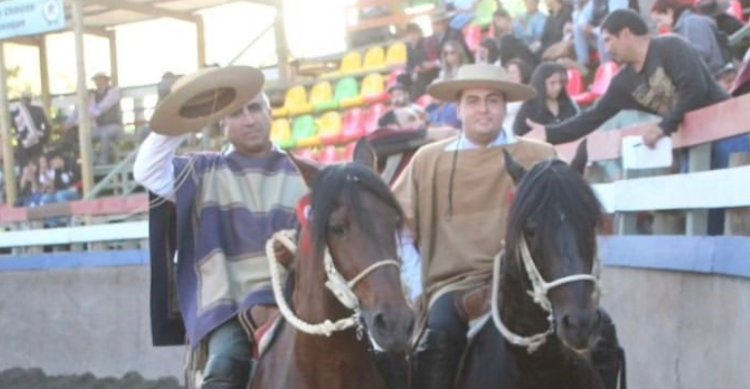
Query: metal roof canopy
{"x": 99, "y": 17}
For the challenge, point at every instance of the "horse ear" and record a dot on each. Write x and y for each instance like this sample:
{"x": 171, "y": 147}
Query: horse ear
{"x": 364, "y": 154}
{"x": 515, "y": 170}
{"x": 579, "y": 160}
{"x": 307, "y": 169}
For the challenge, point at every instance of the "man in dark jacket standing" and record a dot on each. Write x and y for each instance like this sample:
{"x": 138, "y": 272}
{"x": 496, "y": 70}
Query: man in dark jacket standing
{"x": 32, "y": 129}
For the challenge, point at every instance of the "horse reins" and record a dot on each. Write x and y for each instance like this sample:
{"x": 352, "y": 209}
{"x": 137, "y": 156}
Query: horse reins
{"x": 336, "y": 283}
{"x": 539, "y": 291}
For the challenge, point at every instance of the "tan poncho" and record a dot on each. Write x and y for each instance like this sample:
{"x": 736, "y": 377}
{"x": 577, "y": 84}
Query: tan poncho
{"x": 457, "y": 249}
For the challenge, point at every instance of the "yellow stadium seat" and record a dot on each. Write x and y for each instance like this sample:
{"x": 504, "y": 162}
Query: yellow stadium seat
{"x": 330, "y": 125}
{"x": 281, "y": 133}
{"x": 321, "y": 96}
{"x": 373, "y": 88}
{"x": 374, "y": 58}
{"x": 351, "y": 63}
{"x": 396, "y": 54}
{"x": 296, "y": 101}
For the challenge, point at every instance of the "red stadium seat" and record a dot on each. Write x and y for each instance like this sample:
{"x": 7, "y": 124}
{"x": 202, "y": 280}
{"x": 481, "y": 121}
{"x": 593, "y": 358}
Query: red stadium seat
{"x": 329, "y": 155}
{"x": 604, "y": 75}
{"x": 575, "y": 82}
{"x": 371, "y": 117}
{"x": 353, "y": 125}
{"x": 473, "y": 38}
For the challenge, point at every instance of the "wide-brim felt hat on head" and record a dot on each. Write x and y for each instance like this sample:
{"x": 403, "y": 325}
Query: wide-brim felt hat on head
{"x": 480, "y": 76}
{"x": 205, "y": 97}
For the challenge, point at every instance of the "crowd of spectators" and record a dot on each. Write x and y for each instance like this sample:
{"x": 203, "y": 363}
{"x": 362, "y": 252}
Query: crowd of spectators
{"x": 566, "y": 35}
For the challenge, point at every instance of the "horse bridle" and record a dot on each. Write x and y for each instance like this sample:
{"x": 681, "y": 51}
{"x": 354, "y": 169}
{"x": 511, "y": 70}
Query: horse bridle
{"x": 342, "y": 289}
{"x": 539, "y": 291}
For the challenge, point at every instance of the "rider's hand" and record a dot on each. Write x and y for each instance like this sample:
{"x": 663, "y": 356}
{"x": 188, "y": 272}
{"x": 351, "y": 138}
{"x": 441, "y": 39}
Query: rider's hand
{"x": 283, "y": 255}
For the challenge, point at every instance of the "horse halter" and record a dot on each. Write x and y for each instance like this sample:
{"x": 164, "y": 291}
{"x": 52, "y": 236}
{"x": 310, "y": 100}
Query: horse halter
{"x": 539, "y": 291}
{"x": 335, "y": 282}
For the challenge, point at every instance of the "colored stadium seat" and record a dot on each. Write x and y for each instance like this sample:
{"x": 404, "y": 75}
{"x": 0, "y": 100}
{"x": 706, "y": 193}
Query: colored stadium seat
{"x": 307, "y": 153}
{"x": 373, "y": 89}
{"x": 374, "y": 59}
{"x": 473, "y": 37}
{"x": 281, "y": 133}
{"x": 396, "y": 54}
{"x": 321, "y": 97}
{"x": 575, "y": 84}
{"x": 329, "y": 127}
{"x": 351, "y": 63}
{"x": 604, "y": 75}
{"x": 329, "y": 155}
{"x": 305, "y": 131}
{"x": 295, "y": 103}
{"x": 347, "y": 93}
{"x": 371, "y": 116}
{"x": 353, "y": 128}
{"x": 484, "y": 12}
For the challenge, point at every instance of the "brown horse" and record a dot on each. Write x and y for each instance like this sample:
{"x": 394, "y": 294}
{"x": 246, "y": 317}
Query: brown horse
{"x": 546, "y": 306}
{"x": 354, "y": 220}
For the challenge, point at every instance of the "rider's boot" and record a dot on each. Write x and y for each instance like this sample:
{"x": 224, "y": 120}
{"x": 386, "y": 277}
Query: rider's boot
{"x": 607, "y": 356}
{"x": 394, "y": 368}
{"x": 436, "y": 360}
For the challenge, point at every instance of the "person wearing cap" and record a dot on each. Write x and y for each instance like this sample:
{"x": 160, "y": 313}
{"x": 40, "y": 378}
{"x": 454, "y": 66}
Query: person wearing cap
{"x": 402, "y": 113}
{"x": 104, "y": 109}
{"x": 665, "y": 76}
{"x": 450, "y": 188}
{"x": 224, "y": 208}
{"x": 32, "y": 129}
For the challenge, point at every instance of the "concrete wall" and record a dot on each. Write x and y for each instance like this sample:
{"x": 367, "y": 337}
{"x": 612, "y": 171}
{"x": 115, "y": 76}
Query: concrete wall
{"x": 681, "y": 330}
{"x": 77, "y": 320}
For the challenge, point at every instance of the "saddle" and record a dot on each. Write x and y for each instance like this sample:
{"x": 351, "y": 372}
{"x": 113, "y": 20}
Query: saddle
{"x": 263, "y": 322}
{"x": 474, "y": 304}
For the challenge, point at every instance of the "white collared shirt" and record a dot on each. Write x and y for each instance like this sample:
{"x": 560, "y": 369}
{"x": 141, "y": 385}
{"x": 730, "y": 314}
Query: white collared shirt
{"x": 463, "y": 143}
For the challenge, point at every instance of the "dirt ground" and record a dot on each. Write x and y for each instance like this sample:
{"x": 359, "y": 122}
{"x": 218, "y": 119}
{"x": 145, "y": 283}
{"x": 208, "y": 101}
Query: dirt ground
{"x": 17, "y": 378}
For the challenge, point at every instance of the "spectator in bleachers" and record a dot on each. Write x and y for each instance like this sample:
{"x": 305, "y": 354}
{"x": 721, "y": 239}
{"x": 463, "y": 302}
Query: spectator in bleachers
{"x": 520, "y": 72}
{"x": 402, "y": 112}
{"x": 509, "y": 46}
{"x": 422, "y": 61}
{"x": 587, "y": 18}
{"x": 442, "y": 32}
{"x": 30, "y": 191}
{"x": 717, "y": 10}
{"x": 66, "y": 176}
{"x": 452, "y": 57}
{"x": 32, "y": 129}
{"x": 699, "y": 30}
{"x": 488, "y": 52}
{"x": 104, "y": 108}
{"x": 551, "y": 104}
{"x": 559, "y": 19}
{"x": 529, "y": 26}
{"x": 662, "y": 75}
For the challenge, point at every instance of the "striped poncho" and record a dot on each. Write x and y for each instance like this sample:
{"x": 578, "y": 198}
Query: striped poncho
{"x": 227, "y": 208}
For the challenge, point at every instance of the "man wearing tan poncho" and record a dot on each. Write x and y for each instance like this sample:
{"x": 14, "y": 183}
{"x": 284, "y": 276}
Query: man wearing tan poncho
{"x": 456, "y": 195}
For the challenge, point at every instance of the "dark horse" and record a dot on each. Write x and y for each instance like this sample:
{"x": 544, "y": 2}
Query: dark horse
{"x": 355, "y": 218}
{"x": 553, "y": 221}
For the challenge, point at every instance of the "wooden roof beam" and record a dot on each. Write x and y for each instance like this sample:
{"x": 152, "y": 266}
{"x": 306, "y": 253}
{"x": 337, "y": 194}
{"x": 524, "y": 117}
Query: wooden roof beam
{"x": 146, "y": 9}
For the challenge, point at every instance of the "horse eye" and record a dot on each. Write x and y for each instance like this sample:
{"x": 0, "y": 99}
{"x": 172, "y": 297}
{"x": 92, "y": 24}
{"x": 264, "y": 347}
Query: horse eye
{"x": 337, "y": 229}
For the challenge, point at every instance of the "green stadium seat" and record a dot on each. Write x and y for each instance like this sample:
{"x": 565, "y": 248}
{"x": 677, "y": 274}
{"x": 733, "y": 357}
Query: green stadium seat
{"x": 305, "y": 131}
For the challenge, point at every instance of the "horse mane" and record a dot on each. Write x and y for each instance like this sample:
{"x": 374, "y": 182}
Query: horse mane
{"x": 343, "y": 184}
{"x": 550, "y": 187}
